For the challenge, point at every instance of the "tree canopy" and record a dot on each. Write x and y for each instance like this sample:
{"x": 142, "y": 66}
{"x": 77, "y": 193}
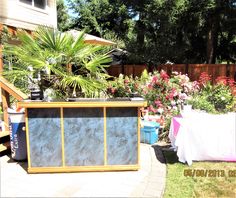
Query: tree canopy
{"x": 154, "y": 31}
{"x": 63, "y": 18}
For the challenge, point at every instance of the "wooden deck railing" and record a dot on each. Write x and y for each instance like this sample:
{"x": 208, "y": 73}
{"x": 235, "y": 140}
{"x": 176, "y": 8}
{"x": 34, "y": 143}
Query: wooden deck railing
{"x": 8, "y": 89}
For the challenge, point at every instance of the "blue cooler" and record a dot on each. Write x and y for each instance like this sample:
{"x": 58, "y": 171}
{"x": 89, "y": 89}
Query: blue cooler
{"x": 17, "y": 135}
{"x": 149, "y": 132}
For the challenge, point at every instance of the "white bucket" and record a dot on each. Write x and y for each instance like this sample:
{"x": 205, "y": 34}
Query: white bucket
{"x": 16, "y": 117}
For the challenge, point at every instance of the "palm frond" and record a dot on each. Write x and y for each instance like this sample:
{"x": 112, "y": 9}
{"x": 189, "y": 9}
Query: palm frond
{"x": 52, "y": 50}
{"x": 86, "y": 85}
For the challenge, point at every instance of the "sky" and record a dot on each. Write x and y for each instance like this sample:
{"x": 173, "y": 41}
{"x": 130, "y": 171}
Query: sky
{"x": 69, "y": 11}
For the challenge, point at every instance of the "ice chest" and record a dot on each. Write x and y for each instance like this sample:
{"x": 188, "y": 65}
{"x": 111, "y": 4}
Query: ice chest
{"x": 149, "y": 132}
{"x": 17, "y": 135}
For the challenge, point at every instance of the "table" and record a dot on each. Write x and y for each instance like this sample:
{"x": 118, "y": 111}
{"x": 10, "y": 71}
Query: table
{"x": 82, "y": 136}
{"x": 201, "y": 136}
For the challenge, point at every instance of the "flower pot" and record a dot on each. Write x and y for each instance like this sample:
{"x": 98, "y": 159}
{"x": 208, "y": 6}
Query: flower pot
{"x": 118, "y": 99}
{"x": 85, "y": 99}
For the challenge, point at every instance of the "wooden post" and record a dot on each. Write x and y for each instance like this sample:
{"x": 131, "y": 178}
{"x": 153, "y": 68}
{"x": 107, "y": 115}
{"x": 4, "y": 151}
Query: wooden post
{"x": 1, "y": 59}
{"x": 5, "y": 105}
{"x": 227, "y": 69}
{"x": 186, "y": 68}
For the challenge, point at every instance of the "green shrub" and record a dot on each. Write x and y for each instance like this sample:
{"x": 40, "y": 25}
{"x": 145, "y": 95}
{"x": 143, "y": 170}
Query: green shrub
{"x": 201, "y": 102}
{"x": 222, "y": 98}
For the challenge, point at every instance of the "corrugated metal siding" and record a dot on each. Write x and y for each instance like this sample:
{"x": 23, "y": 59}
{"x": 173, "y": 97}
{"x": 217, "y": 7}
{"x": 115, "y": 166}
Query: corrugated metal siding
{"x": 20, "y": 15}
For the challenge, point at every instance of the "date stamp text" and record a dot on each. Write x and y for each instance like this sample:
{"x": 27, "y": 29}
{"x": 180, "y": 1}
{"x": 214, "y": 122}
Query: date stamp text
{"x": 209, "y": 173}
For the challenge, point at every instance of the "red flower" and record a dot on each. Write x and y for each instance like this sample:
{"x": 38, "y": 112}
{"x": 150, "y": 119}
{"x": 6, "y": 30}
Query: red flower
{"x": 221, "y": 80}
{"x": 231, "y": 82}
{"x": 204, "y": 78}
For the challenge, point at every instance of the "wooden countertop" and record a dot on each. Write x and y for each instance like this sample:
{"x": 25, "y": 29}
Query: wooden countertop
{"x": 41, "y": 104}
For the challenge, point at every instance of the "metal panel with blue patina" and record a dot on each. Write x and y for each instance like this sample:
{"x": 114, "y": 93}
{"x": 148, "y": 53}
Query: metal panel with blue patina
{"x": 45, "y": 137}
{"x": 122, "y": 140}
{"x": 84, "y": 136}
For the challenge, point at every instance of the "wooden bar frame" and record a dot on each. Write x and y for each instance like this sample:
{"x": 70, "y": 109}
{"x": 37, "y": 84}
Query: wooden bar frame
{"x": 64, "y": 168}
{"x": 27, "y": 138}
{"x": 105, "y": 135}
{"x": 32, "y": 104}
{"x": 62, "y": 137}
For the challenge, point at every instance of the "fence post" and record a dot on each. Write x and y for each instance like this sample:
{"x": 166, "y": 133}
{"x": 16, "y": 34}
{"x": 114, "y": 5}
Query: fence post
{"x": 227, "y": 69}
{"x": 186, "y": 69}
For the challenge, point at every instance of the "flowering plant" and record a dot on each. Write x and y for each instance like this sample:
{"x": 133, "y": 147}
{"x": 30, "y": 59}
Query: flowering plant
{"x": 122, "y": 86}
{"x": 165, "y": 94}
{"x": 218, "y": 98}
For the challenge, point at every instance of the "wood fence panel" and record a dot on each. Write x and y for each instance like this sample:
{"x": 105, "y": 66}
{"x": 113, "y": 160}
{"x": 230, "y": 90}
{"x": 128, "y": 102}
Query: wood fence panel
{"x": 232, "y": 71}
{"x": 180, "y": 68}
{"x": 138, "y": 70}
{"x": 161, "y": 67}
{"x": 219, "y": 70}
{"x": 193, "y": 70}
{"x": 128, "y": 70}
{"x": 114, "y": 70}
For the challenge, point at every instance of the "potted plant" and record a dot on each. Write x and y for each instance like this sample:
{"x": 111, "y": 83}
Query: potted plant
{"x": 53, "y": 60}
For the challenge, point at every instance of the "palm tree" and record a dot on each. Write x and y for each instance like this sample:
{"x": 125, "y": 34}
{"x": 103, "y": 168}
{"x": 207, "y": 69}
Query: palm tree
{"x": 68, "y": 65}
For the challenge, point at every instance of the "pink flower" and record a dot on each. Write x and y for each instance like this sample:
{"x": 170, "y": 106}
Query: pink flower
{"x": 158, "y": 103}
{"x": 183, "y": 96}
{"x": 150, "y": 86}
{"x": 174, "y": 92}
{"x": 154, "y": 79}
{"x": 113, "y": 90}
{"x": 152, "y": 109}
{"x": 126, "y": 81}
{"x": 164, "y": 75}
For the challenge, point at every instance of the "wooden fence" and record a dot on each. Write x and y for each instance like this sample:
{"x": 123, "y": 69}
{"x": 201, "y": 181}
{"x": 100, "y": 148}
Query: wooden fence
{"x": 193, "y": 70}
{"x": 134, "y": 70}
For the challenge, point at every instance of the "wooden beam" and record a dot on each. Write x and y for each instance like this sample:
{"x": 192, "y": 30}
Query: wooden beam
{"x": 11, "y": 89}
{"x": 1, "y": 57}
{"x": 102, "y": 168}
{"x": 5, "y": 105}
{"x": 37, "y": 104}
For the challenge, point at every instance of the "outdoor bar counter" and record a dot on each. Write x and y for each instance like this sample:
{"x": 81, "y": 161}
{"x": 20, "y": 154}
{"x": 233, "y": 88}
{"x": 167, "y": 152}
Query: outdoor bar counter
{"x": 82, "y": 136}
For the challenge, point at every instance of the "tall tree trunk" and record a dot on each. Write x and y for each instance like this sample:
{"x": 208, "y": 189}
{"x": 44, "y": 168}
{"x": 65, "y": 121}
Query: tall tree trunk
{"x": 212, "y": 38}
{"x": 140, "y": 30}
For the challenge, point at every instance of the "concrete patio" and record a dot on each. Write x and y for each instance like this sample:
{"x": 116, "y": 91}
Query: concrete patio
{"x": 149, "y": 181}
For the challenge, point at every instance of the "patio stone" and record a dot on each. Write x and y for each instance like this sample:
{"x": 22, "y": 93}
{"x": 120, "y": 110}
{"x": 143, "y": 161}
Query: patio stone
{"x": 149, "y": 181}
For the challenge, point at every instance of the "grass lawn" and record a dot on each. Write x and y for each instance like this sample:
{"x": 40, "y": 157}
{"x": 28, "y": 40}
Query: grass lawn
{"x": 207, "y": 184}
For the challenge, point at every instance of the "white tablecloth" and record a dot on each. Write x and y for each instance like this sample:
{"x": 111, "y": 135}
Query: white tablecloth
{"x": 203, "y": 136}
